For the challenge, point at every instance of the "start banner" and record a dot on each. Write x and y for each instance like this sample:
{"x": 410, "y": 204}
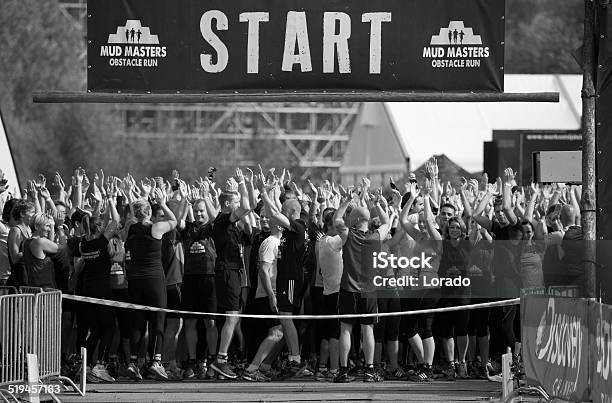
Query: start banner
{"x": 201, "y": 45}
{"x": 555, "y": 338}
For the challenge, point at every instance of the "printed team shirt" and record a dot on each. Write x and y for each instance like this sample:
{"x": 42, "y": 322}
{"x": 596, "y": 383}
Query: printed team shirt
{"x": 197, "y": 240}
{"x": 268, "y": 253}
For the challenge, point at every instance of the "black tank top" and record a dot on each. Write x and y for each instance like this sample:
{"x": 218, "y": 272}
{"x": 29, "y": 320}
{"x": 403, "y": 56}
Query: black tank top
{"x": 145, "y": 253}
{"x": 39, "y": 272}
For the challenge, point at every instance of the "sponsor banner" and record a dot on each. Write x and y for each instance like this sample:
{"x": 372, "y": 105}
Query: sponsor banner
{"x": 600, "y": 332}
{"x": 196, "y": 46}
{"x": 556, "y": 345}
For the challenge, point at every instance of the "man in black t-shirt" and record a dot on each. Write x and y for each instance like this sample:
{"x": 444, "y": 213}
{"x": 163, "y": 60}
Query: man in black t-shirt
{"x": 290, "y": 276}
{"x": 229, "y": 247}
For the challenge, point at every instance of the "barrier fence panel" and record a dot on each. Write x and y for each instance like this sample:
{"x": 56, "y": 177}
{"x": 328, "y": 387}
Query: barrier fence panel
{"x": 30, "y": 290}
{"x": 17, "y": 336}
{"x": 47, "y": 323}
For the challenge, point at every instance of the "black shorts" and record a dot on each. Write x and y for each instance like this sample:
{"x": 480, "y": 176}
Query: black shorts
{"x": 353, "y": 303}
{"x": 261, "y": 306}
{"x": 387, "y": 329}
{"x": 287, "y": 295}
{"x": 174, "y": 299}
{"x": 331, "y": 326}
{"x": 198, "y": 294}
{"x": 229, "y": 290}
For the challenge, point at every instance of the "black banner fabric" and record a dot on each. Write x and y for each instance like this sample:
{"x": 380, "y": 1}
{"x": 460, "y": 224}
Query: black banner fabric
{"x": 556, "y": 351}
{"x": 197, "y": 46}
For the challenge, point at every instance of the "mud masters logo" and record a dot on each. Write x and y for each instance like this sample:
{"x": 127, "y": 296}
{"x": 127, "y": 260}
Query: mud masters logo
{"x": 456, "y": 46}
{"x": 133, "y": 45}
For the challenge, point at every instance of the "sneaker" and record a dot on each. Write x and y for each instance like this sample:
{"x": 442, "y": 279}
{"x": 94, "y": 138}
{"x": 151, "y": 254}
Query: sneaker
{"x": 202, "y": 370}
{"x": 303, "y": 372}
{"x": 255, "y": 376}
{"x": 398, "y": 374}
{"x": 290, "y": 369}
{"x": 449, "y": 373}
{"x": 428, "y": 371}
{"x": 210, "y": 373}
{"x": 371, "y": 375}
{"x": 157, "y": 372}
{"x": 271, "y": 373}
{"x": 133, "y": 372}
{"x": 122, "y": 372}
{"x": 100, "y": 372}
{"x": 462, "y": 372}
{"x": 343, "y": 377}
{"x": 223, "y": 368}
{"x": 175, "y": 374}
{"x": 188, "y": 373}
{"x": 91, "y": 378}
{"x": 417, "y": 375}
{"x": 113, "y": 369}
{"x": 322, "y": 375}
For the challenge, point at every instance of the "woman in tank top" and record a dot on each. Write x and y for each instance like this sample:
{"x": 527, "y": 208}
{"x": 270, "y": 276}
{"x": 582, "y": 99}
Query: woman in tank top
{"x": 38, "y": 266}
{"x": 22, "y": 214}
{"x": 146, "y": 279}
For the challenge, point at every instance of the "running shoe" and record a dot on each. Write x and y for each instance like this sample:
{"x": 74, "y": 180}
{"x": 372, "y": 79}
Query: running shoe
{"x": 449, "y": 373}
{"x": 113, "y": 369}
{"x": 322, "y": 374}
{"x": 157, "y": 371}
{"x": 396, "y": 375}
{"x": 122, "y": 372}
{"x": 223, "y": 368}
{"x": 304, "y": 372}
{"x": 416, "y": 375}
{"x": 210, "y": 373}
{"x": 343, "y": 377}
{"x": 100, "y": 372}
{"x": 188, "y": 373}
{"x": 202, "y": 370}
{"x": 290, "y": 369}
{"x": 462, "y": 372}
{"x": 134, "y": 372}
{"x": 255, "y": 376}
{"x": 371, "y": 375}
{"x": 91, "y": 378}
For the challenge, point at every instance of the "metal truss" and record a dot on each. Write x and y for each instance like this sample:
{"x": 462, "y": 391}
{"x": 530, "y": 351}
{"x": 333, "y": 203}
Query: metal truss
{"x": 315, "y": 134}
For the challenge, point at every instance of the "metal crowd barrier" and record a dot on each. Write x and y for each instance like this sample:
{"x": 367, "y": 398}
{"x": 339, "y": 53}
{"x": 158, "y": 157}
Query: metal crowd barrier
{"x": 17, "y": 337}
{"x": 554, "y": 291}
{"x": 30, "y": 323}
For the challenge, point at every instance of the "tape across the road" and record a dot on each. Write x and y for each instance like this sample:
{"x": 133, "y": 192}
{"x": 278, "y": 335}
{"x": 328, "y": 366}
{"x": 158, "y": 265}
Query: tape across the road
{"x": 125, "y": 305}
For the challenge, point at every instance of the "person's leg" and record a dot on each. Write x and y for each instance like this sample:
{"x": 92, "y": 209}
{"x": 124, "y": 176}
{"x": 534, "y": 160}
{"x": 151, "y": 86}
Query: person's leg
{"x": 228, "y": 292}
{"x": 274, "y": 337}
{"x": 345, "y": 343}
{"x": 291, "y": 337}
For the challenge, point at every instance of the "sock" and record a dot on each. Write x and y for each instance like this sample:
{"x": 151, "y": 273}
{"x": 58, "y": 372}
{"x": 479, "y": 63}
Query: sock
{"x": 157, "y": 357}
{"x": 295, "y": 358}
{"x": 221, "y": 357}
{"x": 133, "y": 359}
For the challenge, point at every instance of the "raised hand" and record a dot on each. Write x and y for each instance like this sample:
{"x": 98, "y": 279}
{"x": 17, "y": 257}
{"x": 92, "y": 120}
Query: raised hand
{"x": 250, "y": 177}
{"x": 509, "y": 176}
{"x": 160, "y": 196}
{"x": 414, "y": 189}
{"x": 484, "y": 181}
{"x": 231, "y": 185}
{"x": 366, "y": 183}
{"x": 239, "y": 176}
{"x": 146, "y": 186}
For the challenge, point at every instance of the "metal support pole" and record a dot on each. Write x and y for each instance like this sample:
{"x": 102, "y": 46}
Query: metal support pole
{"x": 588, "y": 202}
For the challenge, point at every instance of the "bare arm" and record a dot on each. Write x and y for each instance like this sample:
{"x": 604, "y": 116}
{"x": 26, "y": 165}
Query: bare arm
{"x": 339, "y": 220}
{"x": 162, "y": 227}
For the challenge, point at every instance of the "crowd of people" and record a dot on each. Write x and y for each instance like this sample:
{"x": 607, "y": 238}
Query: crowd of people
{"x": 261, "y": 243}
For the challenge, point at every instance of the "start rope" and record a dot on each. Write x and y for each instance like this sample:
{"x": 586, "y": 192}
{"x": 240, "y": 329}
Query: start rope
{"x": 116, "y": 304}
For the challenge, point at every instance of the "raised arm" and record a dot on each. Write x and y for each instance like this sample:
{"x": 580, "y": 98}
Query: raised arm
{"x": 430, "y": 219}
{"x": 484, "y": 221}
{"x": 339, "y": 223}
{"x": 244, "y": 207}
{"x": 162, "y": 227}
{"x": 507, "y": 196}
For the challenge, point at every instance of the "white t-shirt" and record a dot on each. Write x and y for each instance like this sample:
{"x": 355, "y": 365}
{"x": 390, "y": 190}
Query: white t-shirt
{"x": 330, "y": 262}
{"x": 268, "y": 253}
